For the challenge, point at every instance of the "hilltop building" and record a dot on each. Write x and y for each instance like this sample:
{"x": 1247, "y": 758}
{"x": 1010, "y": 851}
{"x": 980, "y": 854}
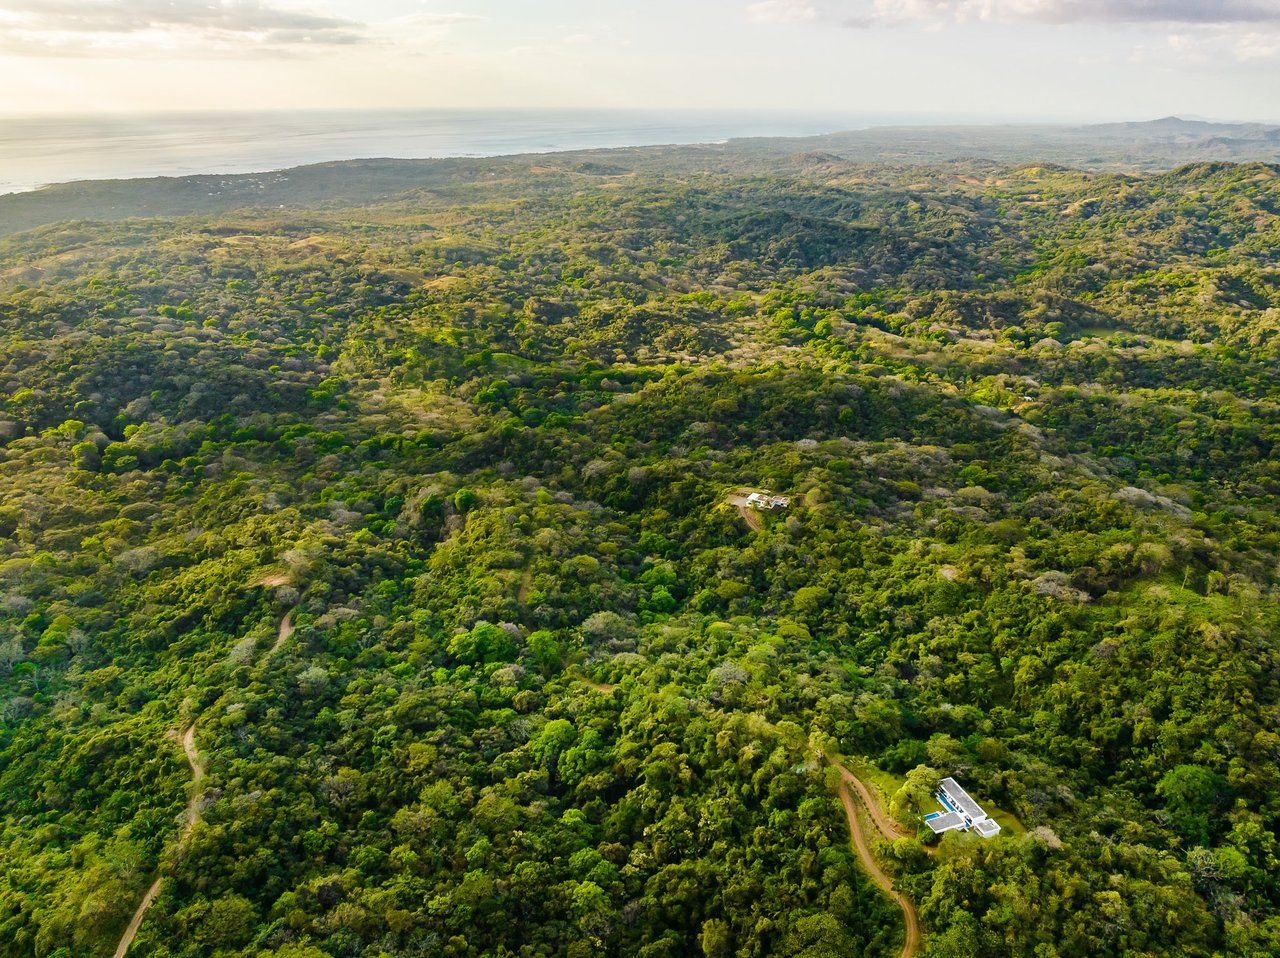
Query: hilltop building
{"x": 962, "y": 812}
{"x": 763, "y": 500}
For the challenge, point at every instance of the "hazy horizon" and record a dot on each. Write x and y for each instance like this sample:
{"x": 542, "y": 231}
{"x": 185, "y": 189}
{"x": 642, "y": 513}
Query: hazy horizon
{"x": 93, "y": 89}
{"x": 35, "y": 151}
{"x": 38, "y": 151}
{"x": 1002, "y": 60}
{"x": 862, "y": 117}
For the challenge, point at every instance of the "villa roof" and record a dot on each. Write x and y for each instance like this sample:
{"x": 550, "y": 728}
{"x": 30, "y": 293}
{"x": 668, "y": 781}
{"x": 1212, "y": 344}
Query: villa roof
{"x": 961, "y": 800}
{"x": 945, "y": 823}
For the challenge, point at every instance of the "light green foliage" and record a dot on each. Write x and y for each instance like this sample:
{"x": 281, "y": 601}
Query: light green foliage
{"x": 915, "y": 797}
{"x": 547, "y": 692}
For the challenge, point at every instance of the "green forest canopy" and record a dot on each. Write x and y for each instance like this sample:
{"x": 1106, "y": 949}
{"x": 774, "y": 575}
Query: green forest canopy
{"x": 548, "y": 694}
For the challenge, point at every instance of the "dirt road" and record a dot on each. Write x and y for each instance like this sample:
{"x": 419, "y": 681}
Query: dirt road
{"x": 865, "y": 802}
{"x": 192, "y": 816}
{"x": 598, "y": 686}
{"x": 197, "y": 773}
{"x": 888, "y": 827}
{"x": 286, "y": 630}
{"x": 188, "y": 739}
{"x": 749, "y": 513}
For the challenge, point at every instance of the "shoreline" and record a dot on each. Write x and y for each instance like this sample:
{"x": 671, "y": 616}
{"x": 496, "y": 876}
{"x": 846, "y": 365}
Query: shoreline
{"x": 36, "y": 153}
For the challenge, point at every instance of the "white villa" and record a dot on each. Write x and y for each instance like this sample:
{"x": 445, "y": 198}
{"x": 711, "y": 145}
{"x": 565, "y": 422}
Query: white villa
{"x": 763, "y": 500}
{"x": 962, "y": 812}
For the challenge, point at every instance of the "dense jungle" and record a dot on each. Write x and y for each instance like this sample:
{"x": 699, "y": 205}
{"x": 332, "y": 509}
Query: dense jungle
{"x": 422, "y": 518}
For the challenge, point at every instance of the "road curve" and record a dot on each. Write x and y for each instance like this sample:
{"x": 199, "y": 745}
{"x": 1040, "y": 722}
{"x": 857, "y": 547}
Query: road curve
{"x": 888, "y": 827}
{"x": 192, "y": 816}
{"x": 282, "y": 636}
{"x": 859, "y": 840}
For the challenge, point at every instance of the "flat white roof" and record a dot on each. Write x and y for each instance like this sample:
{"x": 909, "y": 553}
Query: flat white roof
{"x": 987, "y": 828}
{"x": 960, "y": 799}
{"x": 945, "y": 823}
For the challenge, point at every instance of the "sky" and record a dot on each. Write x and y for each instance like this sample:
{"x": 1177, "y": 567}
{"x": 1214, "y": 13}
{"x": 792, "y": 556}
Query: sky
{"x": 962, "y": 59}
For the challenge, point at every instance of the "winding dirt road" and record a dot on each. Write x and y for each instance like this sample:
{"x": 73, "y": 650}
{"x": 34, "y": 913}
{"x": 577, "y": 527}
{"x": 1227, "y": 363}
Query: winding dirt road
{"x": 286, "y": 630}
{"x": 859, "y": 840}
{"x": 192, "y": 816}
{"x": 888, "y": 827}
{"x": 188, "y": 739}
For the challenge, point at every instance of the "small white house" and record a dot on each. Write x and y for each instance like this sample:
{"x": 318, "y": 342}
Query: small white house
{"x": 763, "y": 500}
{"x": 962, "y": 812}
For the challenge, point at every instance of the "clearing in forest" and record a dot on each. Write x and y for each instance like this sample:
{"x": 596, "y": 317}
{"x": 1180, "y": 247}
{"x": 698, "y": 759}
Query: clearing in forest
{"x": 750, "y": 515}
{"x": 601, "y": 687}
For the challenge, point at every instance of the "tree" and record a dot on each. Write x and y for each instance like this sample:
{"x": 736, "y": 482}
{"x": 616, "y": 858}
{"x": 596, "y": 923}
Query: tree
{"x": 915, "y": 796}
{"x": 1192, "y": 795}
{"x": 716, "y": 938}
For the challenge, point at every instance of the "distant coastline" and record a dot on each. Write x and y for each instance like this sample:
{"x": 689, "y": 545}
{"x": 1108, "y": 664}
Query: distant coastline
{"x": 184, "y": 166}
{"x": 36, "y": 152}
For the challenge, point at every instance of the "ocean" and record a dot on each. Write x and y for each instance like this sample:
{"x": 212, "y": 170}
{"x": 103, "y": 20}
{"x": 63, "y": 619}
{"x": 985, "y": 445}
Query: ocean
{"x": 37, "y": 151}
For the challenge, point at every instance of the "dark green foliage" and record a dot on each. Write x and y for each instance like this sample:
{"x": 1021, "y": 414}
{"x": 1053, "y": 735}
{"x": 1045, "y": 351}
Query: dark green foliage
{"x": 548, "y": 693}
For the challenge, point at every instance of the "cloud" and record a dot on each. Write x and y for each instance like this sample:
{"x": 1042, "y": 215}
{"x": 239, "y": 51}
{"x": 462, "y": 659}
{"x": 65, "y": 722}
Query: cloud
{"x": 1256, "y": 46}
{"x": 1184, "y": 12}
{"x": 431, "y": 20}
{"x": 1144, "y": 11}
{"x": 781, "y": 11}
{"x": 1215, "y": 45}
{"x": 166, "y": 27}
{"x": 418, "y": 28}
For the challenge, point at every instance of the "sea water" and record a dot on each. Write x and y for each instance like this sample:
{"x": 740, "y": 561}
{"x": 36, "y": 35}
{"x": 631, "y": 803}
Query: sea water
{"x": 38, "y": 151}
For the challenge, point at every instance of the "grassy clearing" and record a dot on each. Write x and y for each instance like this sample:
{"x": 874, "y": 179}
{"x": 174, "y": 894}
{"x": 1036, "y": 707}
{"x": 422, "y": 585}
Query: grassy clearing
{"x": 886, "y": 783}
